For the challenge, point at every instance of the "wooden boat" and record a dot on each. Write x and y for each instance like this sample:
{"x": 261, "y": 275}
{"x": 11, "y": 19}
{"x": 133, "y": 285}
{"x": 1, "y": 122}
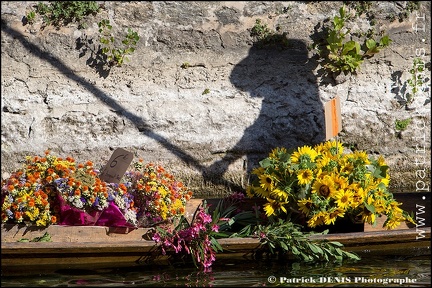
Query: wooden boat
{"x": 74, "y": 246}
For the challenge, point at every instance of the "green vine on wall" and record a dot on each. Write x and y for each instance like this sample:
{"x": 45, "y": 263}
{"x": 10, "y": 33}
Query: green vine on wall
{"x": 114, "y": 51}
{"x": 109, "y": 51}
{"x": 342, "y": 52}
{"x": 61, "y": 13}
{"x": 264, "y": 36}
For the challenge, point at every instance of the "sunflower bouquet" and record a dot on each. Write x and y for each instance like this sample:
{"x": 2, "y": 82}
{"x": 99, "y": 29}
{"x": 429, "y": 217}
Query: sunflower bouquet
{"x": 324, "y": 183}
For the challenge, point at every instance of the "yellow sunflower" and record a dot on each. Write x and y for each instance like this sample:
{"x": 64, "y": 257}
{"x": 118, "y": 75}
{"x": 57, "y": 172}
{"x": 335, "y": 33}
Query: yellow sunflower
{"x": 324, "y": 186}
{"x": 274, "y": 154}
{"x": 323, "y": 161}
{"x": 331, "y": 217}
{"x": 361, "y": 155}
{"x": 380, "y": 206}
{"x": 266, "y": 182}
{"x": 346, "y": 167}
{"x": 385, "y": 181}
{"x": 273, "y": 207}
{"x": 304, "y": 152}
{"x": 250, "y": 191}
{"x": 344, "y": 198}
{"x": 339, "y": 181}
{"x": 279, "y": 195}
{"x": 393, "y": 222}
{"x": 304, "y": 205}
{"x": 381, "y": 161}
{"x": 258, "y": 171}
{"x": 334, "y": 147}
{"x": 367, "y": 216}
{"x": 260, "y": 192}
{"x": 305, "y": 176}
{"x": 358, "y": 196}
{"x": 316, "y": 220}
{"x": 394, "y": 207}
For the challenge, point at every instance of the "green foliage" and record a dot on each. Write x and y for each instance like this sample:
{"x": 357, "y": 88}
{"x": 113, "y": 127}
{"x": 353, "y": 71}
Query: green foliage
{"x": 417, "y": 79}
{"x": 417, "y": 82}
{"x": 206, "y": 91}
{"x": 278, "y": 236}
{"x": 30, "y": 17}
{"x": 409, "y": 8}
{"x": 60, "y": 13}
{"x": 344, "y": 54}
{"x": 44, "y": 238}
{"x": 115, "y": 52}
{"x": 185, "y": 65}
{"x": 401, "y": 125}
{"x": 266, "y": 37}
{"x": 283, "y": 237}
{"x": 361, "y": 7}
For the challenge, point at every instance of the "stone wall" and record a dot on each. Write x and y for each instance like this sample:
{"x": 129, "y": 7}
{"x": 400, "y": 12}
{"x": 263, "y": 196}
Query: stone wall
{"x": 57, "y": 95}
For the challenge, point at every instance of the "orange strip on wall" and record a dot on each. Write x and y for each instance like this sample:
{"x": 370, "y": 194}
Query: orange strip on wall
{"x": 334, "y": 118}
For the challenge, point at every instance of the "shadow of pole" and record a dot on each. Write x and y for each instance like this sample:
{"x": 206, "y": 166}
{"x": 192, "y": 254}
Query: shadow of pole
{"x": 287, "y": 118}
{"x": 114, "y": 105}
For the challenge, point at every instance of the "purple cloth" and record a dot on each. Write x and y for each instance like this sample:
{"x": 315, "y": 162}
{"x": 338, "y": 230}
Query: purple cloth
{"x": 110, "y": 216}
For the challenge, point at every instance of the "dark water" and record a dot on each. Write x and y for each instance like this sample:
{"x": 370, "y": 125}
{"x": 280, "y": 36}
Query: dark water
{"x": 371, "y": 271}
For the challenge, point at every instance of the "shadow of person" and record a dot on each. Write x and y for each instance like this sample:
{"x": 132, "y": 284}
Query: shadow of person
{"x": 291, "y": 113}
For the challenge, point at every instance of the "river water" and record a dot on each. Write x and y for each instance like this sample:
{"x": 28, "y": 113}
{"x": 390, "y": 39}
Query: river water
{"x": 399, "y": 269}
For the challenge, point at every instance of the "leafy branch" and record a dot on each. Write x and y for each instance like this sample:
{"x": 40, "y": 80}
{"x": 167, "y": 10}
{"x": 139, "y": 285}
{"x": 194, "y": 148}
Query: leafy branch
{"x": 281, "y": 237}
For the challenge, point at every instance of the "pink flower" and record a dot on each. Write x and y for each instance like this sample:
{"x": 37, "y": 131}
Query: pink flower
{"x": 156, "y": 237}
{"x": 215, "y": 228}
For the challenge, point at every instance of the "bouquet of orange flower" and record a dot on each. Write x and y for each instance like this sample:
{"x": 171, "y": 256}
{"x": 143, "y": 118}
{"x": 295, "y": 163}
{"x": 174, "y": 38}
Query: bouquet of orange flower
{"x": 323, "y": 183}
{"x": 51, "y": 190}
{"x": 39, "y": 192}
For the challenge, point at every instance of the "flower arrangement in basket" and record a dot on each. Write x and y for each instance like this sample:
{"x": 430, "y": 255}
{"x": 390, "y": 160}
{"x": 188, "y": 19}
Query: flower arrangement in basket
{"x": 52, "y": 190}
{"x": 158, "y": 196}
{"x": 323, "y": 183}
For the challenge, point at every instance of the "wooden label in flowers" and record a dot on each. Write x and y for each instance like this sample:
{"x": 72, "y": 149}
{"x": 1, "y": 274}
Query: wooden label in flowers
{"x": 333, "y": 119}
{"x": 116, "y": 166}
